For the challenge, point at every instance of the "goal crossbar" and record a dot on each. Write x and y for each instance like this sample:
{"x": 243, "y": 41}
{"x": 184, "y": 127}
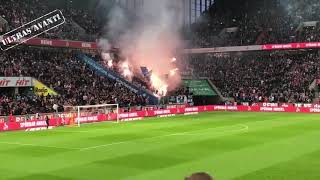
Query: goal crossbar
{"x": 95, "y": 106}
{"x": 78, "y": 109}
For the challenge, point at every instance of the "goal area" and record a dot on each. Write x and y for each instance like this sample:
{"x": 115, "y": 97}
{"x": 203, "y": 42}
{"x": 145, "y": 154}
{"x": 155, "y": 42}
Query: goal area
{"x": 88, "y": 113}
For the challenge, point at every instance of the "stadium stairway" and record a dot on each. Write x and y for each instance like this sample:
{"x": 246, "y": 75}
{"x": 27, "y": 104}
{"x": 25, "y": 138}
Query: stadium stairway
{"x": 102, "y": 71}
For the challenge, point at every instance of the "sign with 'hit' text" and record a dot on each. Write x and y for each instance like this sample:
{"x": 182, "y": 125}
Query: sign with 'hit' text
{"x": 15, "y": 81}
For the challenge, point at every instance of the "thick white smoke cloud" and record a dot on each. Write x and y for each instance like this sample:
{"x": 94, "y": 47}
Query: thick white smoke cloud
{"x": 149, "y": 36}
{"x": 104, "y": 44}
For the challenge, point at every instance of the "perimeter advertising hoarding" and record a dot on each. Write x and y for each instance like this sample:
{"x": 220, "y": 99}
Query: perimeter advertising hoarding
{"x": 14, "y": 124}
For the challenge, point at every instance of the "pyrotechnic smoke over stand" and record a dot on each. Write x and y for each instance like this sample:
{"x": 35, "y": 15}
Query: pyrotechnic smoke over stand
{"x": 148, "y": 38}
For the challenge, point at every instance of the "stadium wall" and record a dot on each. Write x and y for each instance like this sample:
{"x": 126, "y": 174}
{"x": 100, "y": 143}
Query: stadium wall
{"x": 94, "y": 46}
{"x": 15, "y": 124}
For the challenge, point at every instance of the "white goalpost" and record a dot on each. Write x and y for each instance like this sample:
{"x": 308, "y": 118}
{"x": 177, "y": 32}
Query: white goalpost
{"x": 78, "y": 112}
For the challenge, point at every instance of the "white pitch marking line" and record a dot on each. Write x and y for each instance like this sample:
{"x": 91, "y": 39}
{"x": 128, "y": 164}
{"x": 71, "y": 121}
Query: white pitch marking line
{"x": 122, "y": 142}
{"x": 36, "y": 145}
{"x": 73, "y": 131}
{"x": 245, "y": 127}
{"x": 104, "y": 145}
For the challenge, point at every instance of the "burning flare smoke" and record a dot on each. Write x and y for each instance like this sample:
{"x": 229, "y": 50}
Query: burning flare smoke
{"x": 125, "y": 69}
{"x": 159, "y": 84}
{"x": 150, "y": 40}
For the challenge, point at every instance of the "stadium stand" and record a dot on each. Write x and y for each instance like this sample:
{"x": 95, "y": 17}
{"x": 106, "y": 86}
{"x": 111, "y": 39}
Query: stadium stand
{"x": 240, "y": 26}
{"x": 285, "y": 77}
{"x": 137, "y": 80}
{"x": 17, "y": 13}
{"x": 232, "y": 58}
{"x": 261, "y": 77}
{"x": 260, "y": 25}
{"x": 82, "y": 86}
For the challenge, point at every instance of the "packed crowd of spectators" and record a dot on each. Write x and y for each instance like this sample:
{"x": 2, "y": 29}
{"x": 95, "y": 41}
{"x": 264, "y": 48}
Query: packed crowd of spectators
{"x": 134, "y": 76}
{"x": 23, "y": 104}
{"x": 261, "y": 77}
{"x": 258, "y": 77}
{"x": 258, "y": 25}
{"x": 17, "y": 13}
{"x": 61, "y": 71}
{"x": 85, "y": 20}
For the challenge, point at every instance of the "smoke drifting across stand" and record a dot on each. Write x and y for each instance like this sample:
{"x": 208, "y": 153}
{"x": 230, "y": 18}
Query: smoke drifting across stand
{"x": 148, "y": 37}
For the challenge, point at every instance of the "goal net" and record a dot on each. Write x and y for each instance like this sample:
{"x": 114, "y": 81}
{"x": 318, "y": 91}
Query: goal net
{"x": 92, "y": 113}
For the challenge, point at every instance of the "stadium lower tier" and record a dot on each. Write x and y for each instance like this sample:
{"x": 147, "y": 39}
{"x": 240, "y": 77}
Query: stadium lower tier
{"x": 17, "y": 123}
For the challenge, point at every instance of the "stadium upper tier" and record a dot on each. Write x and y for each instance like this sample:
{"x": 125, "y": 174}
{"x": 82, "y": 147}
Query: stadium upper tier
{"x": 247, "y": 25}
{"x": 256, "y": 22}
{"x": 79, "y": 25}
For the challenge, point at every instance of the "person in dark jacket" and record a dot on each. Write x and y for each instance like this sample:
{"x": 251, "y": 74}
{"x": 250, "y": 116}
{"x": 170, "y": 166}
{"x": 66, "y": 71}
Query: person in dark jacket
{"x": 199, "y": 176}
{"x": 47, "y": 121}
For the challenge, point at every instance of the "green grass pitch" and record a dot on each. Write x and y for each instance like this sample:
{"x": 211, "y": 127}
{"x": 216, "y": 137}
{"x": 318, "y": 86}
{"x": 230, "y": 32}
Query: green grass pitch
{"x": 228, "y": 145}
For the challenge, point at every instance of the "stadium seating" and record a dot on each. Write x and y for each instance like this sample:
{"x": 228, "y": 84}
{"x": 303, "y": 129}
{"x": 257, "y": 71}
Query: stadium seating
{"x": 253, "y": 26}
{"x": 261, "y": 77}
{"x": 247, "y": 78}
{"x": 260, "y": 25}
{"x": 76, "y": 84}
{"x": 17, "y": 13}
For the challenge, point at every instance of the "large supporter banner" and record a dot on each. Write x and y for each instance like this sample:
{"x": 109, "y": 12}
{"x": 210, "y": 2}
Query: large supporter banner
{"x": 15, "y": 81}
{"x": 42, "y": 90}
{"x": 17, "y": 123}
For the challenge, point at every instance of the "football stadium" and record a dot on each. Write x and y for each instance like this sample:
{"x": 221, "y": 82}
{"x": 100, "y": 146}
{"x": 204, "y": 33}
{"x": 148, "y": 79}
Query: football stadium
{"x": 160, "y": 89}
